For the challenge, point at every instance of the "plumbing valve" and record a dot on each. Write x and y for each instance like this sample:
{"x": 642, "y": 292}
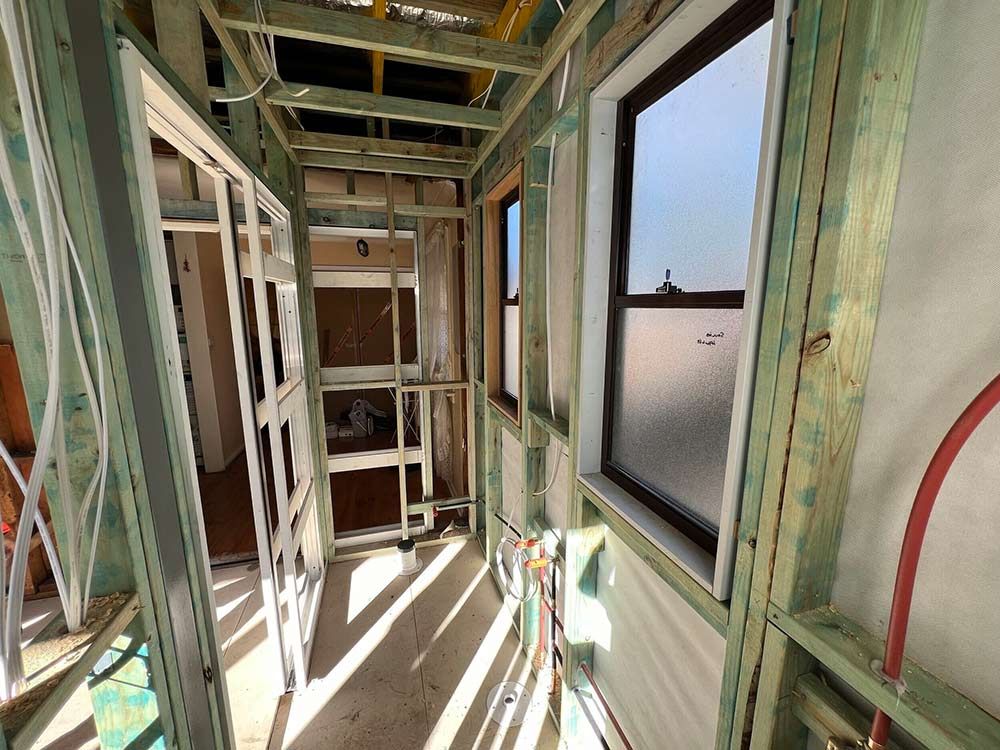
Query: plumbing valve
{"x": 526, "y": 543}
{"x": 536, "y": 562}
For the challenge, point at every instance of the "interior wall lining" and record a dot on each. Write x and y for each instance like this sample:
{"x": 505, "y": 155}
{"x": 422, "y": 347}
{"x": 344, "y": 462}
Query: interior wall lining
{"x": 563, "y": 268}
{"x": 658, "y": 662}
{"x": 936, "y": 345}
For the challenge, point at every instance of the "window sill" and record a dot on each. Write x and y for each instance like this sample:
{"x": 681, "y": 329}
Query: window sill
{"x": 688, "y": 556}
{"x": 506, "y": 406}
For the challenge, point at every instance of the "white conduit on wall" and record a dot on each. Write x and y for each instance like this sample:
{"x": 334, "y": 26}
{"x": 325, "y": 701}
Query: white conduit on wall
{"x": 52, "y": 291}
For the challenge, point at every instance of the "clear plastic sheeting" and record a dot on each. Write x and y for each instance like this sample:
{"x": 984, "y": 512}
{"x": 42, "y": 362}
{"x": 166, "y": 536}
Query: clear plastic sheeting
{"x": 434, "y": 285}
{"x": 431, "y": 19}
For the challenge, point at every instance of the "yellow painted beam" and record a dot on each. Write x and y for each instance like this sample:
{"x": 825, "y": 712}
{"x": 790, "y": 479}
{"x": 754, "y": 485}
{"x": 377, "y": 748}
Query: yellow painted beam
{"x": 479, "y": 80}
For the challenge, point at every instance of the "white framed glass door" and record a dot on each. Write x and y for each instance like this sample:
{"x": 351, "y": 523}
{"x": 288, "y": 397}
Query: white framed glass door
{"x": 262, "y": 302}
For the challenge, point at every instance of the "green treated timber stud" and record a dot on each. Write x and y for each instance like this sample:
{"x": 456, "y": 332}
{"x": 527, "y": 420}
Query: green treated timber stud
{"x": 875, "y": 85}
{"x": 363, "y": 104}
{"x": 933, "y": 713}
{"x": 423, "y": 311}
{"x": 774, "y": 726}
{"x": 562, "y": 124}
{"x": 826, "y": 714}
{"x": 173, "y": 208}
{"x": 533, "y": 353}
{"x": 639, "y": 20}
{"x": 585, "y": 534}
{"x": 351, "y": 144}
{"x": 797, "y": 208}
{"x": 801, "y": 170}
{"x": 307, "y": 315}
{"x": 503, "y": 421}
{"x": 244, "y": 122}
{"x": 557, "y": 428}
{"x": 428, "y": 45}
{"x": 277, "y": 165}
{"x": 366, "y": 163}
{"x": 127, "y": 29}
{"x": 493, "y": 475}
{"x": 178, "y": 38}
{"x": 581, "y": 544}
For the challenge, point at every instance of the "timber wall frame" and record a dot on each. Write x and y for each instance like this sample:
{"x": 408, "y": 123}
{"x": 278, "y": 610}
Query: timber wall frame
{"x": 846, "y": 113}
{"x": 848, "y": 96}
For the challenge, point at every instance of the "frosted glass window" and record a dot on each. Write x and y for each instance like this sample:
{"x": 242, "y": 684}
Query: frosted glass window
{"x": 694, "y": 174}
{"x": 512, "y": 227}
{"x": 689, "y": 157}
{"x": 511, "y": 345}
{"x": 674, "y": 379}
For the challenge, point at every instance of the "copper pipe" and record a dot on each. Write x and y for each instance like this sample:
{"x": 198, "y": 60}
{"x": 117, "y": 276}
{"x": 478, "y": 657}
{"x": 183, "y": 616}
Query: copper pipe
{"x": 607, "y": 709}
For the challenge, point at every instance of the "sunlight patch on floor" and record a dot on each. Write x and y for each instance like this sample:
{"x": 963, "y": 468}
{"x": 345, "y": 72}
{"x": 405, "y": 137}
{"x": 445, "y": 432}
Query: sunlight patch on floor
{"x": 321, "y": 690}
{"x": 368, "y": 581}
{"x": 469, "y": 686}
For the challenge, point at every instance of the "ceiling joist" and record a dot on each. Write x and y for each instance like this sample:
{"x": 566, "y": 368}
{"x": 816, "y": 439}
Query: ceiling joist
{"x": 570, "y": 27}
{"x": 245, "y": 72}
{"x": 362, "y": 104}
{"x": 361, "y": 163}
{"x": 352, "y": 30}
{"x": 399, "y": 209}
{"x": 350, "y": 144}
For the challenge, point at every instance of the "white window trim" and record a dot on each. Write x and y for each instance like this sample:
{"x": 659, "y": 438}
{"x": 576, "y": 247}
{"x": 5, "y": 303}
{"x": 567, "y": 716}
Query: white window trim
{"x": 685, "y": 23}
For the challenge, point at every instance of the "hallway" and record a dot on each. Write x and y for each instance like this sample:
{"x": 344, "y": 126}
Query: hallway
{"x": 409, "y": 661}
{"x": 400, "y": 661}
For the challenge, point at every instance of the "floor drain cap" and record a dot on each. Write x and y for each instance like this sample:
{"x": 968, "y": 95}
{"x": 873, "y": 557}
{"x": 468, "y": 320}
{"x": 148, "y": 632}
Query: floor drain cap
{"x": 508, "y": 703}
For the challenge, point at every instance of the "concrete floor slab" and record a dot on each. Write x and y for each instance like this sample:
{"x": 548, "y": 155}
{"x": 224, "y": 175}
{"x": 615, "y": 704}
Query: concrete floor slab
{"x": 399, "y": 661}
{"x": 409, "y": 661}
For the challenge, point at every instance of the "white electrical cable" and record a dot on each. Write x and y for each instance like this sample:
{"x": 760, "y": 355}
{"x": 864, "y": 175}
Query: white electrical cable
{"x": 264, "y": 48}
{"x": 14, "y": 680}
{"x": 519, "y": 556}
{"x": 519, "y": 560}
{"x": 56, "y": 239}
{"x": 98, "y": 482}
{"x": 548, "y": 266}
{"x": 485, "y": 96}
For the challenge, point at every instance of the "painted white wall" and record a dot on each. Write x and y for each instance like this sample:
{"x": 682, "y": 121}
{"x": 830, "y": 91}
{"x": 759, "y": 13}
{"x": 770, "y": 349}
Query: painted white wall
{"x": 937, "y": 343}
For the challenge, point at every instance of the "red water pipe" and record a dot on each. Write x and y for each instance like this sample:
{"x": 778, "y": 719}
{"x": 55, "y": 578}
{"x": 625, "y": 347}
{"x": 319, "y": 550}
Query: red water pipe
{"x": 913, "y": 540}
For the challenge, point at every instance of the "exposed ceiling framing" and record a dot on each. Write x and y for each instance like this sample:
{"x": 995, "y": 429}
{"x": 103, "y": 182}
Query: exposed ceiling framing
{"x": 380, "y": 35}
{"x": 344, "y": 70}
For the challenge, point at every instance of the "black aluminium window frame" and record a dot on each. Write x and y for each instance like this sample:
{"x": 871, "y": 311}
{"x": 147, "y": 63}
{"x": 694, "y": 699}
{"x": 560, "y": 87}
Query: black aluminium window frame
{"x": 511, "y": 198}
{"x": 727, "y": 31}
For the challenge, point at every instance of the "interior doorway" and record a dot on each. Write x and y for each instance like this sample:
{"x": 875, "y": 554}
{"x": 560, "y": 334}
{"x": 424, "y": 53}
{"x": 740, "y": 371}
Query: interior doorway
{"x": 227, "y": 309}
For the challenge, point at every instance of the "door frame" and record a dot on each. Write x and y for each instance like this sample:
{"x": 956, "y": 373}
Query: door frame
{"x": 154, "y": 104}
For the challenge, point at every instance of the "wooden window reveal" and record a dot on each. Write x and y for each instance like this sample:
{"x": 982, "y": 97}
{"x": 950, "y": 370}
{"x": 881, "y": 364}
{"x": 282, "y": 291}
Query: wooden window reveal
{"x": 502, "y": 284}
